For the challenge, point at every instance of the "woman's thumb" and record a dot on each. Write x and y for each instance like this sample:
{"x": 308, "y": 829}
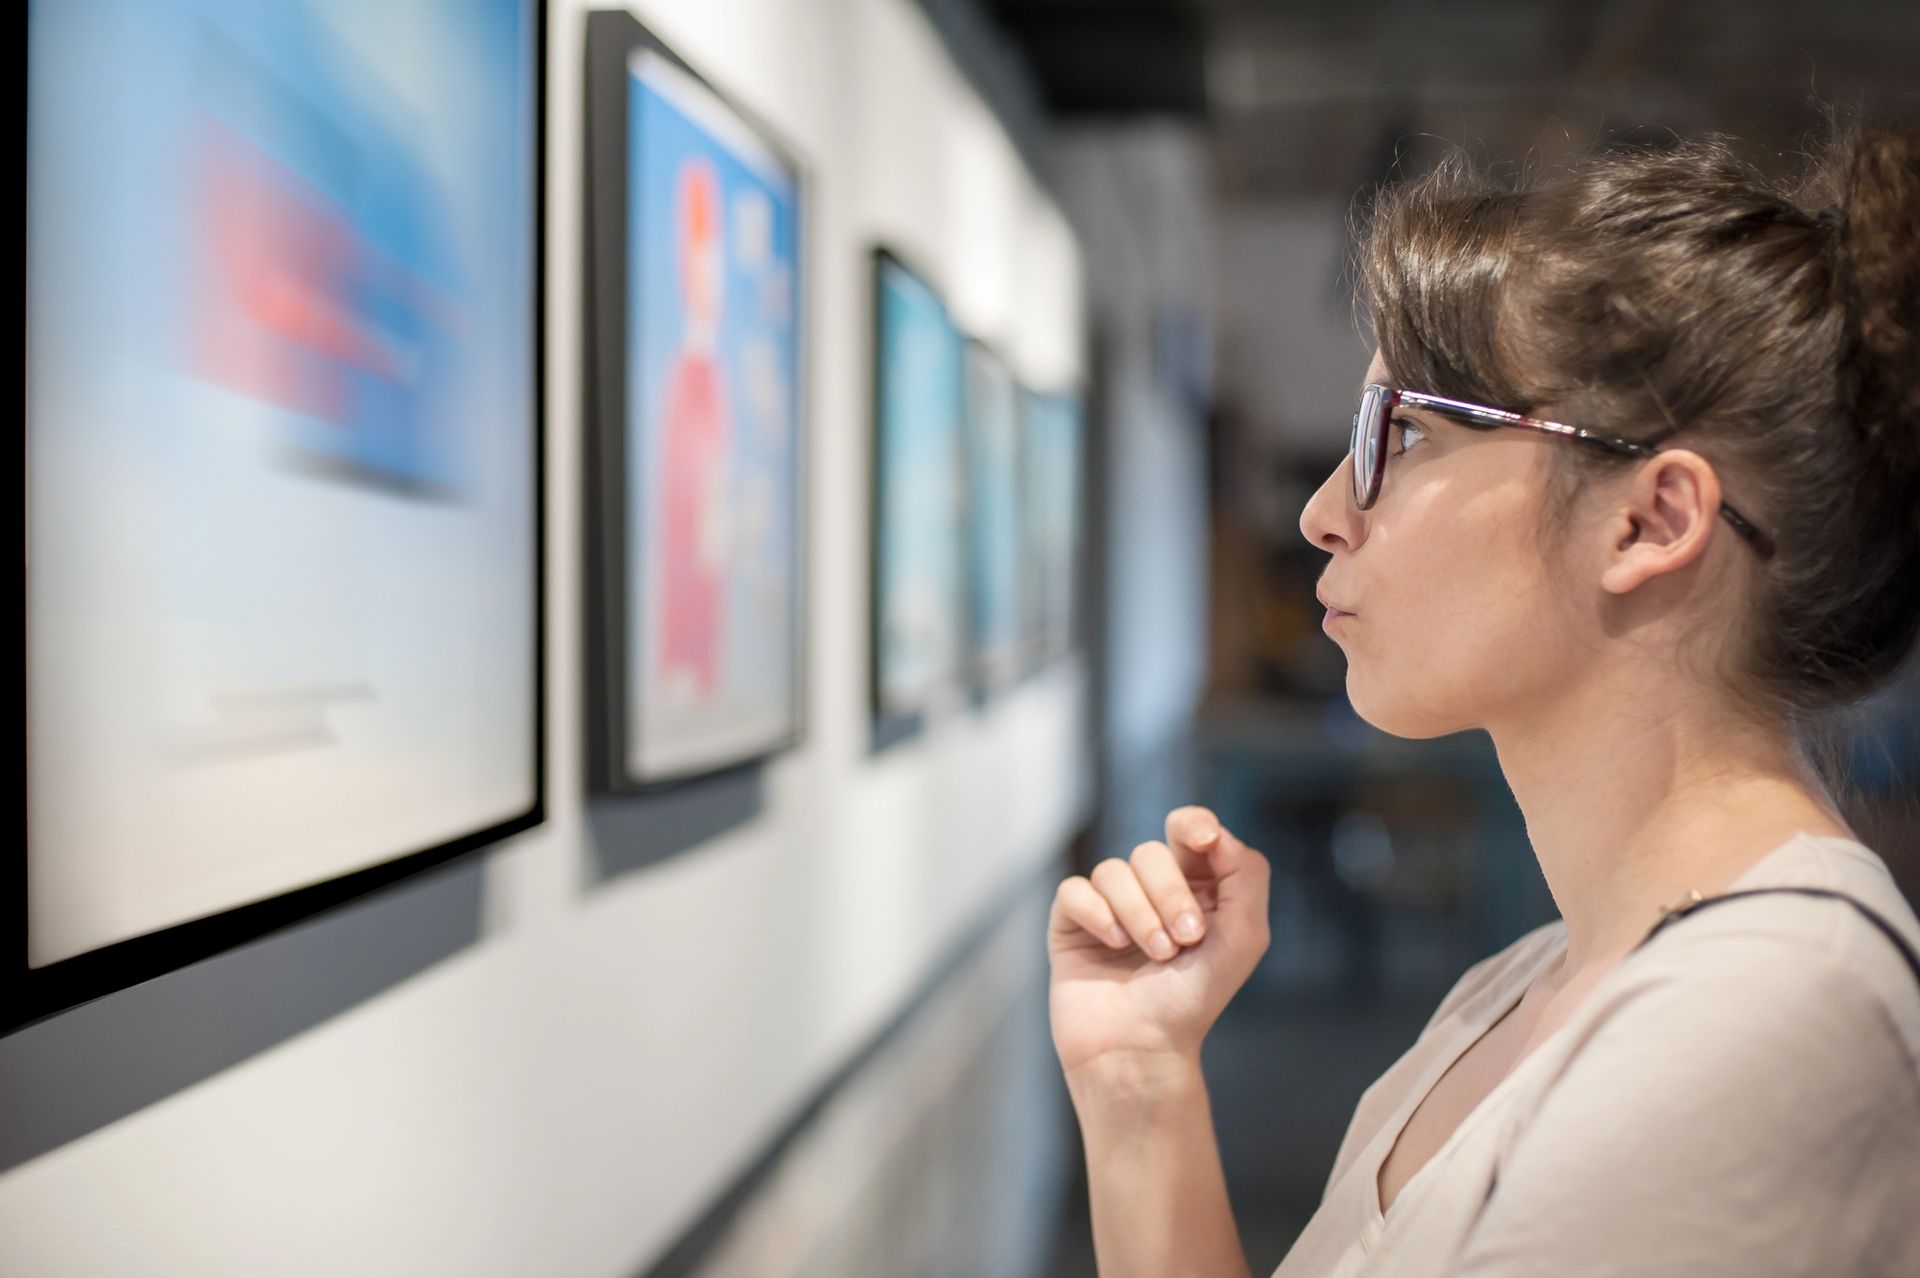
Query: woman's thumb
{"x": 1242, "y": 874}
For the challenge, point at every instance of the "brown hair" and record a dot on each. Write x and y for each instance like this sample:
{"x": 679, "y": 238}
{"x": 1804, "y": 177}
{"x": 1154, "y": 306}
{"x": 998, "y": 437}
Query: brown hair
{"x": 1656, "y": 292}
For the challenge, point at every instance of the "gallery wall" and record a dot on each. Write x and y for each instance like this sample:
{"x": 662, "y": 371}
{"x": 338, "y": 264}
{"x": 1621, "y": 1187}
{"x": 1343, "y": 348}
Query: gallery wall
{"x": 550, "y": 1057}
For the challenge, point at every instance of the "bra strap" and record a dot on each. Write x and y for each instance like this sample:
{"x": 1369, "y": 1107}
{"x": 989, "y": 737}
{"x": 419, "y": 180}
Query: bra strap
{"x": 1694, "y": 901}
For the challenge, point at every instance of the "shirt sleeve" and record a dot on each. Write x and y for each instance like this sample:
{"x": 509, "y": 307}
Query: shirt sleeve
{"x": 1744, "y": 1106}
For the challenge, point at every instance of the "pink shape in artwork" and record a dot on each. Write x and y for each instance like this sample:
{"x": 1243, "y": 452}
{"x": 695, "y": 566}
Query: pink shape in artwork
{"x": 694, "y": 448}
{"x": 275, "y": 319}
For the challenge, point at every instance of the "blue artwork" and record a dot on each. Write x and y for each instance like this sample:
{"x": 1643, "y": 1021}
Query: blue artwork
{"x": 714, "y": 426}
{"x": 919, "y": 525}
{"x": 283, "y": 429}
{"x": 1053, "y": 485}
{"x": 993, "y": 517}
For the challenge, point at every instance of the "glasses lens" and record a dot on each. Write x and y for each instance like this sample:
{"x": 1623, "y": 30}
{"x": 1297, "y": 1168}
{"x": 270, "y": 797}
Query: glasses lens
{"x": 1365, "y": 446}
{"x": 1355, "y": 451}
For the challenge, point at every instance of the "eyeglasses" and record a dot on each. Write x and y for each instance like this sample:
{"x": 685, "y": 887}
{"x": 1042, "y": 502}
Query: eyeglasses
{"x": 1368, "y": 446}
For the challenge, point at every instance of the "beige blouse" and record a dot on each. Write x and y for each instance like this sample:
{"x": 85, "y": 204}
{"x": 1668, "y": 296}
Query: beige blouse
{"x": 1740, "y": 1097}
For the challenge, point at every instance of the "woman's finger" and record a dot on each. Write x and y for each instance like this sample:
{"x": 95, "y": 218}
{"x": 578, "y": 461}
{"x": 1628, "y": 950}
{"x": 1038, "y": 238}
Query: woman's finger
{"x": 1167, "y": 888}
{"x": 1128, "y": 899}
{"x": 1078, "y": 903}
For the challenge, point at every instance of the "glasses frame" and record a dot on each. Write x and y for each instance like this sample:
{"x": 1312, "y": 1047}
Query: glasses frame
{"x": 1367, "y": 447}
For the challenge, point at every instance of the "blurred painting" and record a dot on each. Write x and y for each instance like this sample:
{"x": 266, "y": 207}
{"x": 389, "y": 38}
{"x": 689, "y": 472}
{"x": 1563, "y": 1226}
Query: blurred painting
{"x": 998, "y": 641}
{"x": 919, "y": 604}
{"x": 1052, "y": 449}
{"x": 708, "y": 514}
{"x": 283, "y": 445}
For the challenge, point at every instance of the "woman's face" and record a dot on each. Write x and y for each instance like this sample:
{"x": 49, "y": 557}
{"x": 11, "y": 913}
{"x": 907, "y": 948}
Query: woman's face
{"x": 1454, "y": 621}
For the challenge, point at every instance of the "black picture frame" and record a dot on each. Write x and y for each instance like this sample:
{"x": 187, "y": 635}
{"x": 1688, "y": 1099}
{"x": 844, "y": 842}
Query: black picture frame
{"x": 29, "y": 994}
{"x": 1080, "y": 560}
{"x": 613, "y": 36}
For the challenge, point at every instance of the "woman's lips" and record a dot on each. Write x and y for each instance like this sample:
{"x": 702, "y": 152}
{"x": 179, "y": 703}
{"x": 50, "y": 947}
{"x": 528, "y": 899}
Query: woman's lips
{"x": 1333, "y": 615}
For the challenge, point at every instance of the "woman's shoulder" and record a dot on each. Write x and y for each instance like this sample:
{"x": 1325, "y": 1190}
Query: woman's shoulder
{"x": 1745, "y": 1080}
{"x": 1817, "y": 947}
{"x": 1789, "y": 1018}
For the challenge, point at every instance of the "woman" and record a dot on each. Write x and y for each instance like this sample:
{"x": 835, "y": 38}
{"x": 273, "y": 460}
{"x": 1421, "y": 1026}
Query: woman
{"x": 1665, "y": 507}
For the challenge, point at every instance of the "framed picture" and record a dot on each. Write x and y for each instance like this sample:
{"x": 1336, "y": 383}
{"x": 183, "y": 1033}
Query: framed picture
{"x": 283, "y": 477}
{"x": 1053, "y": 449}
{"x": 918, "y": 600}
{"x": 999, "y": 642}
{"x": 696, "y": 453}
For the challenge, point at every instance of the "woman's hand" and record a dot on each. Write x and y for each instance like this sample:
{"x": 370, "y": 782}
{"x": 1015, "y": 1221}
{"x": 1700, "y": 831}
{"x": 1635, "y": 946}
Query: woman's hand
{"x": 1128, "y": 981}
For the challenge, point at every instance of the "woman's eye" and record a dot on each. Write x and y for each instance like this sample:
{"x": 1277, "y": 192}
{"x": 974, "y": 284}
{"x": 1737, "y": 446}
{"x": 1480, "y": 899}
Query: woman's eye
{"x": 1409, "y": 433}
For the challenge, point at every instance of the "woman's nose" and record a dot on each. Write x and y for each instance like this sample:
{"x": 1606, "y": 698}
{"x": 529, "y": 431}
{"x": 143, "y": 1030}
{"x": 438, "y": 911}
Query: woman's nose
{"x": 1329, "y": 522}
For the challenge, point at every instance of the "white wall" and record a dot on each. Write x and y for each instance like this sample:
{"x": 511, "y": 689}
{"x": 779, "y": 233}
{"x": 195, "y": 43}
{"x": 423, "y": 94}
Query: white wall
{"x": 568, "y": 1091}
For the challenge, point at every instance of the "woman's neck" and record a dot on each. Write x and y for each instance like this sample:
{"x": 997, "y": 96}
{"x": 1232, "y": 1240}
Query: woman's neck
{"x": 1631, "y": 803}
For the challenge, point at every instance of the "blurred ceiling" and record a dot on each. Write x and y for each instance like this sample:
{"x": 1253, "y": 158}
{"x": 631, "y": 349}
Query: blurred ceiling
{"x": 1315, "y": 99}
{"x": 1112, "y": 57}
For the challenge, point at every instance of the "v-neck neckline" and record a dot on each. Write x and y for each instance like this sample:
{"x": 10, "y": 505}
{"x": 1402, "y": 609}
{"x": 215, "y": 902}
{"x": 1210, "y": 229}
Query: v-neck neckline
{"x": 1376, "y": 1215}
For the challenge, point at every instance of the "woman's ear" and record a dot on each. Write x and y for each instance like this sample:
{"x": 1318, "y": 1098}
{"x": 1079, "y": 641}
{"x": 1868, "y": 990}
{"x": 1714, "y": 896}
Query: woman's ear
{"x": 1663, "y": 519}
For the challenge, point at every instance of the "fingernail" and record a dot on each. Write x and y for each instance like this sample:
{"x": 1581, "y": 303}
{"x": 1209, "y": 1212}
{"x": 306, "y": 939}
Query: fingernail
{"x": 1187, "y": 926}
{"x": 1160, "y": 945}
{"x": 1204, "y": 836}
{"x": 1117, "y": 934}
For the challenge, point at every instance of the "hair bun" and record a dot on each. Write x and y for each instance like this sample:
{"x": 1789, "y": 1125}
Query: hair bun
{"x": 1879, "y": 278}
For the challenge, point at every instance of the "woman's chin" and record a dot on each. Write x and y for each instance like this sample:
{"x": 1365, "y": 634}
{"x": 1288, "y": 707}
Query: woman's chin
{"x": 1398, "y": 716}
